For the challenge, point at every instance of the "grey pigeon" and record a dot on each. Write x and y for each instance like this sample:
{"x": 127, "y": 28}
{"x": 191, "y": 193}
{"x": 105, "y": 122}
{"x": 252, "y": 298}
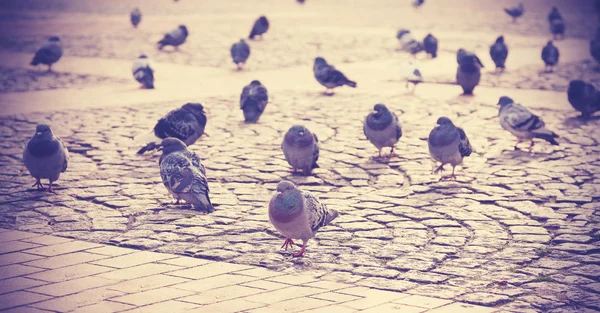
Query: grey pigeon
{"x": 595, "y": 45}
{"x": 175, "y": 38}
{"x": 329, "y": 77}
{"x": 260, "y": 27}
{"x": 253, "y": 101}
{"x": 468, "y": 73}
{"x": 584, "y": 97}
{"x": 408, "y": 43}
{"x": 382, "y": 128}
{"x": 136, "y": 17}
{"x": 240, "y": 51}
{"x": 523, "y": 124}
{"x": 183, "y": 174}
{"x": 499, "y": 53}
{"x": 430, "y": 44}
{"x": 142, "y": 72}
{"x": 448, "y": 144}
{"x": 49, "y": 53}
{"x": 550, "y": 55}
{"x": 45, "y": 156}
{"x": 557, "y": 28}
{"x": 418, "y": 3}
{"x": 554, "y": 14}
{"x": 298, "y": 214}
{"x": 515, "y": 12}
{"x": 301, "y": 149}
{"x": 186, "y": 124}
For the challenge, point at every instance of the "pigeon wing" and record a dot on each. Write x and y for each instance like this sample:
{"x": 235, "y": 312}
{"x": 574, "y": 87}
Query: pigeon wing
{"x": 66, "y": 153}
{"x": 521, "y": 119}
{"x": 464, "y": 146}
{"x": 318, "y": 214}
{"x": 179, "y": 124}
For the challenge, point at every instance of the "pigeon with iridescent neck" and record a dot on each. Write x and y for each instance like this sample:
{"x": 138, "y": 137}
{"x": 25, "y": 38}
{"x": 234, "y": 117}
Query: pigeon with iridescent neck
{"x": 382, "y": 128}
{"x": 301, "y": 149}
{"x": 448, "y": 144}
{"x": 45, "y": 156}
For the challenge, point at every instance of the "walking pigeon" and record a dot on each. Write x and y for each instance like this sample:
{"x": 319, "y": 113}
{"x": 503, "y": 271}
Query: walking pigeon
{"x": 329, "y": 77}
{"x": 550, "y": 55}
{"x": 499, "y": 53}
{"x": 45, "y": 156}
{"x": 183, "y": 174}
{"x": 557, "y": 28}
{"x": 448, "y": 144}
{"x": 523, "y": 124}
{"x": 382, "y": 128}
{"x": 240, "y": 51}
{"x": 430, "y": 44}
{"x": 142, "y": 72}
{"x": 136, "y": 17}
{"x": 301, "y": 149}
{"x": 515, "y": 12}
{"x": 554, "y": 14}
{"x": 298, "y": 214}
{"x": 468, "y": 73}
{"x": 186, "y": 124}
{"x": 584, "y": 97}
{"x": 253, "y": 101}
{"x": 260, "y": 27}
{"x": 175, "y": 38}
{"x": 49, "y": 53}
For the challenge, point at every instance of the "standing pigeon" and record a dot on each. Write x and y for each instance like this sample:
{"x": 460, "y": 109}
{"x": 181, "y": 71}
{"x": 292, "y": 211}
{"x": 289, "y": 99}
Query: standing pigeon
{"x": 382, "y": 128}
{"x": 260, "y": 27}
{"x": 175, "y": 38}
{"x": 301, "y": 149}
{"x": 253, "y": 101}
{"x": 430, "y": 44}
{"x": 408, "y": 42}
{"x": 584, "y": 97}
{"x": 448, "y": 144}
{"x": 414, "y": 76}
{"x": 515, "y": 12}
{"x": 186, "y": 124}
{"x": 183, "y": 174}
{"x": 557, "y": 28}
{"x": 550, "y": 56}
{"x": 523, "y": 124}
{"x": 49, "y": 53}
{"x": 240, "y": 51}
{"x": 554, "y": 14}
{"x": 595, "y": 45}
{"x": 468, "y": 73}
{"x": 45, "y": 156}
{"x": 136, "y": 17}
{"x": 329, "y": 77}
{"x": 142, "y": 72}
{"x": 298, "y": 214}
{"x": 499, "y": 53}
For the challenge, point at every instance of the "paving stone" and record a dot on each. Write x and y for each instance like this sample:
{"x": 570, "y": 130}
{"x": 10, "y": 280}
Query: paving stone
{"x": 13, "y": 299}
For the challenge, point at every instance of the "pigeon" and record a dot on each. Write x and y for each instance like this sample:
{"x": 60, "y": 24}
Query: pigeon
{"x": 142, "y": 72}
{"x": 414, "y": 76}
{"x": 329, "y": 77}
{"x": 448, "y": 144}
{"x": 523, "y": 124}
{"x": 557, "y": 28}
{"x": 499, "y": 53}
{"x": 301, "y": 149}
{"x": 550, "y": 56}
{"x": 595, "y": 46}
{"x": 430, "y": 44}
{"x": 260, "y": 27}
{"x": 515, "y": 12}
{"x": 136, "y": 17}
{"x": 253, "y": 101}
{"x": 554, "y": 14}
{"x": 175, "y": 38}
{"x": 45, "y": 156}
{"x": 298, "y": 214}
{"x": 49, "y": 53}
{"x": 468, "y": 73}
{"x": 186, "y": 124}
{"x": 183, "y": 174}
{"x": 418, "y": 3}
{"x": 300, "y": 1}
{"x": 382, "y": 128}
{"x": 584, "y": 97}
{"x": 240, "y": 51}
{"x": 408, "y": 42}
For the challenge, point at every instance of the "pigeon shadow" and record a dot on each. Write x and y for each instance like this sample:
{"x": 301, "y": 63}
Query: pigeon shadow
{"x": 520, "y": 154}
{"x": 575, "y": 121}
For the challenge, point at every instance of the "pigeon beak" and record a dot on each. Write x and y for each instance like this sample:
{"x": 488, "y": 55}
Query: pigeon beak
{"x": 38, "y": 133}
{"x": 301, "y": 133}
{"x": 160, "y": 148}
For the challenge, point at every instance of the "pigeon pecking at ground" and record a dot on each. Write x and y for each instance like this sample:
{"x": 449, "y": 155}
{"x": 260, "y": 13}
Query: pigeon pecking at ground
{"x": 240, "y": 51}
{"x": 301, "y": 149}
{"x": 260, "y": 27}
{"x": 183, "y": 174}
{"x": 468, "y": 73}
{"x": 329, "y": 77}
{"x": 523, "y": 124}
{"x": 49, "y": 53}
{"x": 430, "y": 44}
{"x": 253, "y": 101}
{"x": 142, "y": 72}
{"x": 136, "y": 17}
{"x": 298, "y": 214}
{"x": 45, "y": 156}
{"x": 448, "y": 144}
{"x": 175, "y": 38}
{"x": 382, "y": 128}
{"x": 584, "y": 97}
{"x": 186, "y": 124}
{"x": 499, "y": 53}
{"x": 515, "y": 12}
{"x": 550, "y": 55}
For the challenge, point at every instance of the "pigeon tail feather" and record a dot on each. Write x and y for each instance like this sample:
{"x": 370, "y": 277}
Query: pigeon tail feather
{"x": 549, "y": 137}
{"x": 149, "y": 147}
{"x": 350, "y": 83}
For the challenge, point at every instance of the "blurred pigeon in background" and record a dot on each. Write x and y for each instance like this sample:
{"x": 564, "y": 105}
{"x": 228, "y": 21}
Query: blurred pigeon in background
{"x": 413, "y": 75}
{"x": 45, "y": 156}
{"x": 253, "y": 101}
{"x": 301, "y": 149}
{"x": 584, "y": 97}
{"x": 49, "y": 53}
{"x": 300, "y": 1}
{"x": 418, "y": 3}
{"x": 550, "y": 56}
{"x": 329, "y": 77}
{"x": 554, "y": 14}
{"x": 448, "y": 144}
{"x": 595, "y": 46}
{"x": 175, "y": 38}
{"x": 523, "y": 124}
{"x": 260, "y": 27}
{"x": 382, "y": 128}
{"x": 142, "y": 72}
{"x": 408, "y": 43}
{"x": 557, "y": 28}
{"x": 430, "y": 44}
{"x": 468, "y": 73}
{"x": 499, "y": 53}
{"x": 240, "y": 51}
{"x": 136, "y": 17}
{"x": 515, "y": 12}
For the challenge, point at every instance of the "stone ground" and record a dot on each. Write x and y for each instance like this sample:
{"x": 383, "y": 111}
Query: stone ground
{"x": 517, "y": 231}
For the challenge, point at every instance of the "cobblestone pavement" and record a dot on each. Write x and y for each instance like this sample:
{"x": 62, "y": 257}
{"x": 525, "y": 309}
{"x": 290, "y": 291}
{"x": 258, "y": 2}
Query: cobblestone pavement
{"x": 518, "y": 231}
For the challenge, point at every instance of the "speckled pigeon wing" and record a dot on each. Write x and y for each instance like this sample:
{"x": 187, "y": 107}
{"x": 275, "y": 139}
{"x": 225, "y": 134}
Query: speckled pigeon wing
{"x": 196, "y": 161}
{"x": 520, "y": 119}
{"x": 179, "y": 124}
{"x": 464, "y": 146}
{"x": 317, "y": 212}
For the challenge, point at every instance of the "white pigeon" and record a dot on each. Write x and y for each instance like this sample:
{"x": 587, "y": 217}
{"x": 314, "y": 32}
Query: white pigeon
{"x": 45, "y": 156}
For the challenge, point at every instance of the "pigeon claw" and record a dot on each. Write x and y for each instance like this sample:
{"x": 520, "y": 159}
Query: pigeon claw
{"x": 38, "y": 184}
{"x": 301, "y": 252}
{"x": 439, "y": 169}
{"x": 288, "y": 243}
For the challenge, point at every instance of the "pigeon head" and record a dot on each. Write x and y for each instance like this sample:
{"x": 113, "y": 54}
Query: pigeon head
{"x": 183, "y": 29}
{"x": 43, "y": 131}
{"x": 444, "y": 121}
{"x": 143, "y": 56}
{"x": 54, "y": 39}
{"x": 402, "y": 32}
{"x": 137, "y": 10}
{"x": 549, "y": 44}
{"x": 287, "y": 202}
{"x": 263, "y": 20}
{"x": 285, "y": 185}
{"x": 320, "y": 60}
{"x": 299, "y": 136}
{"x": 504, "y": 100}
{"x": 500, "y": 39}
{"x": 195, "y": 108}
{"x": 171, "y": 144}
{"x": 255, "y": 83}
{"x": 379, "y": 109}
